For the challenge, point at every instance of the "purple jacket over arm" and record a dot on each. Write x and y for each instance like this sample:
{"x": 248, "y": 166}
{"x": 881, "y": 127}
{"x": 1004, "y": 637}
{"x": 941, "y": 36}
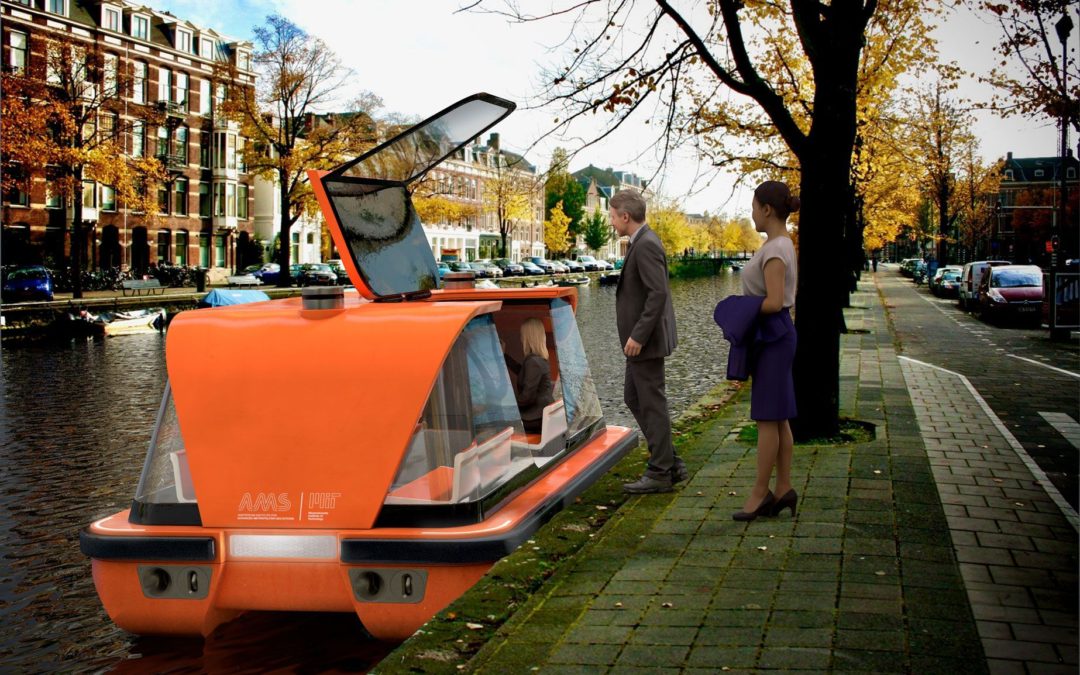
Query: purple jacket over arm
{"x": 745, "y": 327}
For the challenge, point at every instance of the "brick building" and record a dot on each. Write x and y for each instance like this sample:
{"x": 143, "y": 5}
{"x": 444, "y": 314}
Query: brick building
{"x": 206, "y": 204}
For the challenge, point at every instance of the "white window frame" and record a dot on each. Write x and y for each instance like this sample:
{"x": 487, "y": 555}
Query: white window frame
{"x": 12, "y": 51}
{"x": 139, "y": 80}
{"x": 107, "y": 190}
{"x": 144, "y": 21}
{"x": 205, "y": 100}
{"x": 164, "y": 84}
{"x": 138, "y": 138}
{"x": 184, "y": 36}
{"x": 107, "y": 13}
{"x": 183, "y": 93}
{"x": 111, "y": 77}
{"x": 49, "y": 8}
{"x": 207, "y": 45}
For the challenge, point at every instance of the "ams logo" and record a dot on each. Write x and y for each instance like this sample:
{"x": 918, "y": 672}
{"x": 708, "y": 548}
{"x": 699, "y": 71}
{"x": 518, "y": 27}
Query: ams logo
{"x": 265, "y": 502}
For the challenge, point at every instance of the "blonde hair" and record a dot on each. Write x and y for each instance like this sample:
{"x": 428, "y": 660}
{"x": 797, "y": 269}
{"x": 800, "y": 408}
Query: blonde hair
{"x": 534, "y": 338}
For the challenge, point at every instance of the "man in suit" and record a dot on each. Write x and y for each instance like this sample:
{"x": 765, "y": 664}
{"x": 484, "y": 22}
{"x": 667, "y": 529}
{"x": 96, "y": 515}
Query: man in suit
{"x": 646, "y": 323}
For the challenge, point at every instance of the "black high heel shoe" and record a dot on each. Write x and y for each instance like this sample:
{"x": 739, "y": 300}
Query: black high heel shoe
{"x": 763, "y": 509}
{"x": 789, "y": 501}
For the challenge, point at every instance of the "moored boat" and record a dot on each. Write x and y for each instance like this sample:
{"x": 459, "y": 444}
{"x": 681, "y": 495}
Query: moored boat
{"x": 575, "y": 281}
{"x": 394, "y": 496}
{"x": 112, "y": 324}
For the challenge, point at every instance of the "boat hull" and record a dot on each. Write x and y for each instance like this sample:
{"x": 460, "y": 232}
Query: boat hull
{"x": 188, "y": 580}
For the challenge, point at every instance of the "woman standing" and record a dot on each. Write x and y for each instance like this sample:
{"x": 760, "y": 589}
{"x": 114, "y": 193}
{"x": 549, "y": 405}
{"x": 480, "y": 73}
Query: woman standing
{"x": 772, "y": 273}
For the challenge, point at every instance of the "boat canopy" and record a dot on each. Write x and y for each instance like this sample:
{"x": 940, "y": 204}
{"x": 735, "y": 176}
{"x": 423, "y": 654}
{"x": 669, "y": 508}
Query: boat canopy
{"x": 220, "y": 297}
{"x": 368, "y": 205}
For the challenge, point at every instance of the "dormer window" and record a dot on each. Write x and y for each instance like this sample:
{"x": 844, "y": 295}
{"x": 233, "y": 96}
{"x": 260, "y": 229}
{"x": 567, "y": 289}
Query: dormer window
{"x": 111, "y": 19}
{"x": 1008, "y": 174}
{"x": 140, "y": 27}
{"x": 243, "y": 60}
{"x": 183, "y": 40}
{"x": 1039, "y": 173}
{"x": 206, "y": 47}
{"x": 57, "y": 7}
{"x": 1070, "y": 172}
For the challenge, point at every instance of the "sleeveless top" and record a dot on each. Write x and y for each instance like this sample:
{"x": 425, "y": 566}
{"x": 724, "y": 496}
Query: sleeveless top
{"x": 753, "y": 275}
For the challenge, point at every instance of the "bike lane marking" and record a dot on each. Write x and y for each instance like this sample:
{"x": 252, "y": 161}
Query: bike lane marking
{"x": 1065, "y": 425}
{"x": 1037, "y": 472}
{"x": 1046, "y": 365}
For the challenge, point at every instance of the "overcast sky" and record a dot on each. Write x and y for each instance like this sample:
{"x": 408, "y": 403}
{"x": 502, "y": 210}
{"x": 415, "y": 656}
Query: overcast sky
{"x": 420, "y": 56}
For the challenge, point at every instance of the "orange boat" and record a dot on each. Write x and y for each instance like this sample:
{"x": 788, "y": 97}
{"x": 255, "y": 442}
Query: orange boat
{"x": 389, "y": 499}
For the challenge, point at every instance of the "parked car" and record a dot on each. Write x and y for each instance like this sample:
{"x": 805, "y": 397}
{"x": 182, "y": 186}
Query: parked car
{"x": 559, "y": 267}
{"x": 617, "y": 263}
{"x": 530, "y": 268}
{"x": 573, "y": 265}
{"x": 476, "y": 268}
{"x": 946, "y": 282}
{"x": 339, "y": 269}
{"x": 267, "y": 273}
{"x": 493, "y": 270}
{"x": 590, "y": 263}
{"x": 31, "y": 282}
{"x": 509, "y": 267}
{"x": 907, "y": 266}
{"x": 543, "y": 264}
{"x": 316, "y": 274}
{"x": 1012, "y": 292}
{"x": 443, "y": 269}
{"x": 971, "y": 278}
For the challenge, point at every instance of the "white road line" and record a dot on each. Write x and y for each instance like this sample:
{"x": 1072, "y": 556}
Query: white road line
{"x": 1036, "y": 470}
{"x": 1065, "y": 425}
{"x": 1040, "y": 363}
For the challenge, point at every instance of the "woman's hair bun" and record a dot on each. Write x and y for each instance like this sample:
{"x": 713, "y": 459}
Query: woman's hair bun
{"x": 794, "y": 203}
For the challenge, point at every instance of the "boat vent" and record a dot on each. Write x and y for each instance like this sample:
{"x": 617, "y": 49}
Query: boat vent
{"x": 452, "y": 280}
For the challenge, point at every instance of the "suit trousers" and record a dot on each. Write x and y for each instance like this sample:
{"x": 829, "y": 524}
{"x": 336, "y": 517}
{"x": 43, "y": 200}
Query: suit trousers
{"x": 645, "y": 395}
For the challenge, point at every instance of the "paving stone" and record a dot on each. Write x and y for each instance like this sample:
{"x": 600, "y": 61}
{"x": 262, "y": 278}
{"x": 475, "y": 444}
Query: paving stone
{"x": 795, "y": 659}
{"x": 654, "y": 655}
{"x": 585, "y": 655}
{"x": 715, "y": 658}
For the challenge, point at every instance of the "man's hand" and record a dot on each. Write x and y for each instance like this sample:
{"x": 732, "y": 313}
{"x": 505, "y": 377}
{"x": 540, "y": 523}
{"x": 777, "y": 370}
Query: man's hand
{"x": 632, "y": 348}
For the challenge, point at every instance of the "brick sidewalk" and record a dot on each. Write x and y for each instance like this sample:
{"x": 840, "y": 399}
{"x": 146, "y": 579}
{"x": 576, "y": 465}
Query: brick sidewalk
{"x": 864, "y": 579}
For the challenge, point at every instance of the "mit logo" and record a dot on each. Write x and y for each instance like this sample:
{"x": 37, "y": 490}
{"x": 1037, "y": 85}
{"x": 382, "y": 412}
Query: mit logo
{"x": 323, "y": 500}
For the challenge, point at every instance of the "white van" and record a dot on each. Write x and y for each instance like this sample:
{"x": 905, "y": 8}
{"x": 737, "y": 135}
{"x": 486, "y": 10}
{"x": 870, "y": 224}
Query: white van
{"x": 970, "y": 278}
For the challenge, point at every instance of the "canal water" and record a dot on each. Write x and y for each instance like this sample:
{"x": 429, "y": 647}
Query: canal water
{"x": 75, "y": 423}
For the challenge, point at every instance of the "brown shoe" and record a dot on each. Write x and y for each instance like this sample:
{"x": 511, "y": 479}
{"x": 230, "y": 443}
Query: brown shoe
{"x": 647, "y": 485}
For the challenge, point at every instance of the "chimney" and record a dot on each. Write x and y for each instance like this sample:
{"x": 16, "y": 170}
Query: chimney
{"x": 1008, "y": 156}
{"x": 493, "y": 142}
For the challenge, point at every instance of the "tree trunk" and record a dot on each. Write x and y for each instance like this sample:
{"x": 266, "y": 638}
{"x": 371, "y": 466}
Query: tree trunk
{"x": 77, "y": 240}
{"x": 284, "y": 279}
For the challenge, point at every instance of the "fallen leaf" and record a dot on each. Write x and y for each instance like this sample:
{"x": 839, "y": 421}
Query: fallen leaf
{"x": 601, "y": 507}
{"x": 618, "y": 605}
{"x": 880, "y": 573}
{"x": 1018, "y": 503}
{"x": 666, "y": 605}
{"x": 474, "y": 626}
{"x": 451, "y": 615}
{"x": 877, "y": 471}
{"x": 763, "y": 548}
{"x": 732, "y": 493}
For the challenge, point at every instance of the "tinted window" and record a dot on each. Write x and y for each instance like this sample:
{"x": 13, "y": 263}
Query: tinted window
{"x": 408, "y": 156}
{"x": 384, "y": 237}
{"x": 578, "y": 388}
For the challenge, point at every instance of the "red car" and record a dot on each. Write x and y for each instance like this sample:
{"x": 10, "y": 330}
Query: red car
{"x": 1012, "y": 292}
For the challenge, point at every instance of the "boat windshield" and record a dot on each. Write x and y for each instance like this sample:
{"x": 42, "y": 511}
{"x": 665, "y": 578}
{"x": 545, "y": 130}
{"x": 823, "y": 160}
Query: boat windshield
{"x": 166, "y": 478}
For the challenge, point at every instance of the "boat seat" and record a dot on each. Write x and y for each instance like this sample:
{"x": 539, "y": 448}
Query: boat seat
{"x": 552, "y": 432}
{"x": 481, "y": 467}
{"x": 185, "y": 489}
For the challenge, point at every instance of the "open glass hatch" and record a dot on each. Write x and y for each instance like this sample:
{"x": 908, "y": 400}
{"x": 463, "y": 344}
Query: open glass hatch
{"x": 377, "y": 228}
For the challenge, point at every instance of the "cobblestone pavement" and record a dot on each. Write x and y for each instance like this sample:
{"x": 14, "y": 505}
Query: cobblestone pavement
{"x": 1030, "y": 382}
{"x": 864, "y": 579}
{"x": 1013, "y": 533}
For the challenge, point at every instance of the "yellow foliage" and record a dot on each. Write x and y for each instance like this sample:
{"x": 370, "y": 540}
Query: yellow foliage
{"x": 669, "y": 223}
{"x": 557, "y": 231}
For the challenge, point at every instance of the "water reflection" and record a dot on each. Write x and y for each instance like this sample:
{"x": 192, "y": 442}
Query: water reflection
{"x": 75, "y": 423}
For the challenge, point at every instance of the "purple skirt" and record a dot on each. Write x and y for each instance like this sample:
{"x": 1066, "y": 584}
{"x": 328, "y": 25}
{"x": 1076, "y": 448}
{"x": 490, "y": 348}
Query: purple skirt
{"x": 772, "y": 388}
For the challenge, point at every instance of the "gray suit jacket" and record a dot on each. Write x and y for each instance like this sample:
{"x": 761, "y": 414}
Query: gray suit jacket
{"x": 643, "y": 308}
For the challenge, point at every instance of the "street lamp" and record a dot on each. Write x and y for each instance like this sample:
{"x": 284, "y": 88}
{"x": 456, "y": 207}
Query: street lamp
{"x": 1063, "y": 27}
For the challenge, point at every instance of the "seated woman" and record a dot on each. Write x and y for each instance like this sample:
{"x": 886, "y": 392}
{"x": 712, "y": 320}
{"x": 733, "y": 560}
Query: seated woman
{"x": 534, "y": 390}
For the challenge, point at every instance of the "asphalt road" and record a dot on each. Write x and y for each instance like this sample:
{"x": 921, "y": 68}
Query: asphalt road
{"x": 1029, "y": 381}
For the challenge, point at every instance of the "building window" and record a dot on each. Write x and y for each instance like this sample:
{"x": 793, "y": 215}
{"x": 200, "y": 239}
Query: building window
{"x": 1039, "y": 173}
{"x": 204, "y": 249}
{"x": 111, "y": 19}
{"x": 164, "y": 83}
{"x": 183, "y": 40}
{"x": 140, "y": 27}
{"x": 219, "y": 95}
{"x": 294, "y": 250}
{"x": 310, "y": 238}
{"x": 180, "y": 144}
{"x": 181, "y": 248}
{"x": 219, "y": 250}
{"x": 242, "y": 201}
{"x": 109, "y": 123}
{"x": 19, "y": 49}
{"x": 204, "y": 149}
{"x": 230, "y": 200}
{"x": 219, "y": 151}
{"x": 138, "y": 88}
{"x": 204, "y": 97}
{"x": 206, "y": 48}
{"x": 1070, "y": 172}
{"x": 56, "y": 6}
{"x": 241, "y": 165}
{"x": 163, "y": 199}
{"x": 162, "y": 142}
{"x": 108, "y": 198}
{"x": 219, "y": 199}
{"x": 1008, "y": 174}
{"x": 14, "y": 194}
{"x": 164, "y": 239}
{"x": 138, "y": 138}
{"x": 180, "y": 206}
{"x": 89, "y": 194}
{"x": 111, "y": 78}
{"x": 230, "y": 152}
{"x": 204, "y": 200}
{"x": 243, "y": 60}
{"x": 182, "y": 90}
